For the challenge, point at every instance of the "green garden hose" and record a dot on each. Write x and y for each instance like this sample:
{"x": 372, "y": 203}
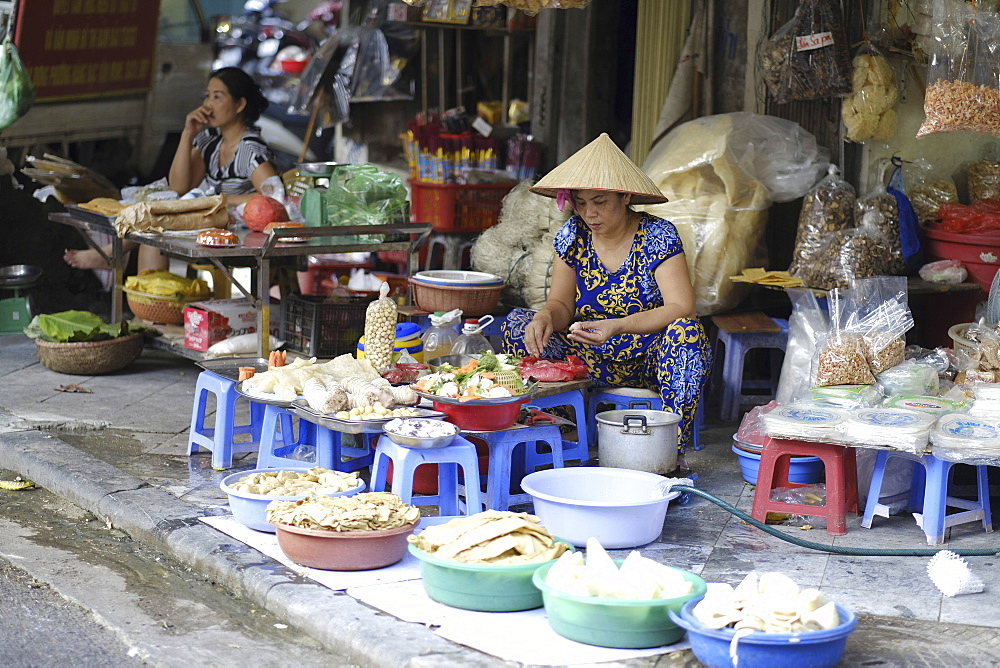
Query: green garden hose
{"x": 834, "y": 549}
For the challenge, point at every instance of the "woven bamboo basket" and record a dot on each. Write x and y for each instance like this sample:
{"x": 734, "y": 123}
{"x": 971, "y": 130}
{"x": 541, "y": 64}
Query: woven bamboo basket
{"x": 168, "y": 310}
{"x": 90, "y": 358}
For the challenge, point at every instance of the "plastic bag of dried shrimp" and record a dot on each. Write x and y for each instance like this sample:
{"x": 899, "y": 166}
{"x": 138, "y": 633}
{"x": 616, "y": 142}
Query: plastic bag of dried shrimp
{"x": 963, "y": 75}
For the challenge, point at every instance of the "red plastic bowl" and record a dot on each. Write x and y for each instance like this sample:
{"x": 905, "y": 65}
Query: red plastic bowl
{"x": 478, "y": 417}
{"x": 293, "y": 66}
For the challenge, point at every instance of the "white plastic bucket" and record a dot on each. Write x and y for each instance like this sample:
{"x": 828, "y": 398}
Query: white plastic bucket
{"x": 641, "y": 440}
{"x": 619, "y": 507}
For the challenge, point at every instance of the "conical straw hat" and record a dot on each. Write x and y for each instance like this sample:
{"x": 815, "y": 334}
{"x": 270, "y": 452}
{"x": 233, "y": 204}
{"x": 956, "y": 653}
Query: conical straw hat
{"x": 600, "y": 165}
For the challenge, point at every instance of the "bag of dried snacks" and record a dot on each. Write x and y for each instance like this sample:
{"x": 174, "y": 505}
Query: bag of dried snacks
{"x": 963, "y": 75}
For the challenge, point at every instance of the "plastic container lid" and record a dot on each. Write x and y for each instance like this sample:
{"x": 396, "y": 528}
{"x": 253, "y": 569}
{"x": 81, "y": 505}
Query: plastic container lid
{"x": 407, "y": 330}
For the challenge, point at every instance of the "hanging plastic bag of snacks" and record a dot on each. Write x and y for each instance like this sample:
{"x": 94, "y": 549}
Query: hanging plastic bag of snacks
{"x": 826, "y": 209}
{"x": 808, "y": 57}
{"x": 928, "y": 193}
{"x": 867, "y": 111}
{"x": 963, "y": 76}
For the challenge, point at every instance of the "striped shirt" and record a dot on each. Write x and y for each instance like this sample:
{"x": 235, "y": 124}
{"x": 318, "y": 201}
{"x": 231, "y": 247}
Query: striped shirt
{"x": 234, "y": 178}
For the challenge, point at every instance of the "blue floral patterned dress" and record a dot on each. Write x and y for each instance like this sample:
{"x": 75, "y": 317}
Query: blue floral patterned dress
{"x": 674, "y": 362}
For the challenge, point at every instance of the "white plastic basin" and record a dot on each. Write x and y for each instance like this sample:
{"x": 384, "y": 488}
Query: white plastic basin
{"x": 620, "y": 507}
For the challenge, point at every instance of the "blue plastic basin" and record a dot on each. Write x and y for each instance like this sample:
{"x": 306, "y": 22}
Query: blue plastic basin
{"x": 810, "y": 649}
{"x": 251, "y": 509}
{"x": 803, "y": 470}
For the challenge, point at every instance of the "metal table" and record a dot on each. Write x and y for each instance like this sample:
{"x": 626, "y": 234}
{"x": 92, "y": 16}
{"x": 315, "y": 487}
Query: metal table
{"x": 255, "y": 250}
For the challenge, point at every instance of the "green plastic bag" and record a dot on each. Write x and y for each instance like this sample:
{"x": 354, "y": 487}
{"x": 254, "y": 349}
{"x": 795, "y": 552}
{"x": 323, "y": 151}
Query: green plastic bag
{"x": 16, "y": 92}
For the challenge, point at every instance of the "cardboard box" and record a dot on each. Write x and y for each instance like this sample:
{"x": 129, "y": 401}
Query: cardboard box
{"x": 214, "y": 320}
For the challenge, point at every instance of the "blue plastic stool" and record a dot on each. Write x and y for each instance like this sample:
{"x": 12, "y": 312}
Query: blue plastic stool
{"x": 572, "y": 450}
{"x": 279, "y": 440}
{"x": 623, "y": 398}
{"x": 219, "y": 439}
{"x": 929, "y": 496}
{"x": 406, "y": 460}
{"x": 503, "y": 467}
{"x": 737, "y": 344}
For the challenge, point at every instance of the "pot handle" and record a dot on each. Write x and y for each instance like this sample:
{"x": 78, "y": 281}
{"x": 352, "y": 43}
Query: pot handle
{"x": 640, "y": 419}
{"x": 640, "y": 403}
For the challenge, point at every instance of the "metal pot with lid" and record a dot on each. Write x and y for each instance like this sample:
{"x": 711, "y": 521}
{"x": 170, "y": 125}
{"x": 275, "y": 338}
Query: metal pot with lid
{"x": 641, "y": 440}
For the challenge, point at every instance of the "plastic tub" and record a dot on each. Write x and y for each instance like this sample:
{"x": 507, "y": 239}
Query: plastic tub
{"x": 802, "y": 470}
{"x": 344, "y": 550}
{"x": 619, "y": 507}
{"x": 483, "y": 587}
{"x": 251, "y": 509}
{"x": 810, "y": 649}
{"x": 612, "y": 622}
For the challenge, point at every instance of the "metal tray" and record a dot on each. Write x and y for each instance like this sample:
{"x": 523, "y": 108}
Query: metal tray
{"x": 304, "y": 411}
{"x": 229, "y": 367}
{"x": 90, "y": 216}
{"x": 520, "y": 398}
{"x": 263, "y": 398}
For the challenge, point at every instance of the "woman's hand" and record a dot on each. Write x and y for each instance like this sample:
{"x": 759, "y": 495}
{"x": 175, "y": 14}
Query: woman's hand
{"x": 537, "y": 333}
{"x": 592, "y": 332}
{"x": 196, "y": 120}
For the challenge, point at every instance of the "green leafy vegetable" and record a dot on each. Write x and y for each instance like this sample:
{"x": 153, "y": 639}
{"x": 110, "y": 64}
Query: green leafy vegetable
{"x": 74, "y": 326}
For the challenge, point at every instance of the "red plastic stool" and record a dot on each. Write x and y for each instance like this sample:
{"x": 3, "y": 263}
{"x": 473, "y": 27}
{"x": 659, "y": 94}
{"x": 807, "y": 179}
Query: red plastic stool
{"x": 841, "y": 471}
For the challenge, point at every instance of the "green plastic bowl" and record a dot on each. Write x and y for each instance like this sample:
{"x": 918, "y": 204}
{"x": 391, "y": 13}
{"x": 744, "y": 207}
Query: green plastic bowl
{"x": 480, "y": 587}
{"x": 612, "y": 622}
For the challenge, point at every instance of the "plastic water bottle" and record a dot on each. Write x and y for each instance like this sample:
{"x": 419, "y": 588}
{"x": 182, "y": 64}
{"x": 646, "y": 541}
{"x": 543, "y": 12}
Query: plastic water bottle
{"x": 472, "y": 341}
{"x": 441, "y": 335}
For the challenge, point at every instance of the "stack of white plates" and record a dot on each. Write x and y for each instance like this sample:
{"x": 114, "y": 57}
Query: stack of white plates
{"x": 960, "y": 437}
{"x": 804, "y": 421}
{"x": 893, "y": 427}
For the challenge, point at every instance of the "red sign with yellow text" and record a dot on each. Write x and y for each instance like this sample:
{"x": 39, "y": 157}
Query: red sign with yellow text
{"x": 76, "y": 49}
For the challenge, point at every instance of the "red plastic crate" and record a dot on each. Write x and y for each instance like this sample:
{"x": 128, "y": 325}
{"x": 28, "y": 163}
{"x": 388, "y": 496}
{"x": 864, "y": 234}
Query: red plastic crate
{"x": 457, "y": 209}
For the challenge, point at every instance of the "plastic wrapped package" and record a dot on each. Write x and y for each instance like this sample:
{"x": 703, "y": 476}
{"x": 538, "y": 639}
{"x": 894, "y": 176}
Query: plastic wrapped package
{"x": 896, "y": 428}
{"x": 983, "y": 180}
{"x": 963, "y": 75}
{"x": 946, "y": 272}
{"x": 965, "y": 438}
{"x": 850, "y": 254}
{"x": 806, "y": 421}
{"x": 806, "y": 325}
{"x": 867, "y": 112}
{"x": 841, "y": 361}
{"x": 846, "y": 396}
{"x": 721, "y": 173}
{"x": 826, "y": 209}
{"x": 927, "y": 198}
{"x": 752, "y": 429}
{"x": 880, "y": 201}
{"x": 808, "y": 57}
{"x": 932, "y": 405}
{"x": 908, "y": 379}
{"x": 878, "y": 308}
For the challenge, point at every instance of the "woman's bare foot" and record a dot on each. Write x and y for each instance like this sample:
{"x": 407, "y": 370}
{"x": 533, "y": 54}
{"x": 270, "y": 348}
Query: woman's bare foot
{"x": 85, "y": 259}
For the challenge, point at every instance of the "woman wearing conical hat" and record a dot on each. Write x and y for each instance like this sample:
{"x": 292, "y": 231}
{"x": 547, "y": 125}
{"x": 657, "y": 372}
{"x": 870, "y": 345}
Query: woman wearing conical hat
{"x": 620, "y": 297}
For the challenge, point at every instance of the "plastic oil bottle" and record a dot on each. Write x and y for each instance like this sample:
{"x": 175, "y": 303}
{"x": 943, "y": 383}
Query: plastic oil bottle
{"x": 472, "y": 340}
{"x": 442, "y": 333}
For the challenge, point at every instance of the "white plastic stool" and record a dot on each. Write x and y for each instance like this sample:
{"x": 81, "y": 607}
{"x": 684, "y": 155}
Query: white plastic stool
{"x": 453, "y": 247}
{"x": 406, "y": 460}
